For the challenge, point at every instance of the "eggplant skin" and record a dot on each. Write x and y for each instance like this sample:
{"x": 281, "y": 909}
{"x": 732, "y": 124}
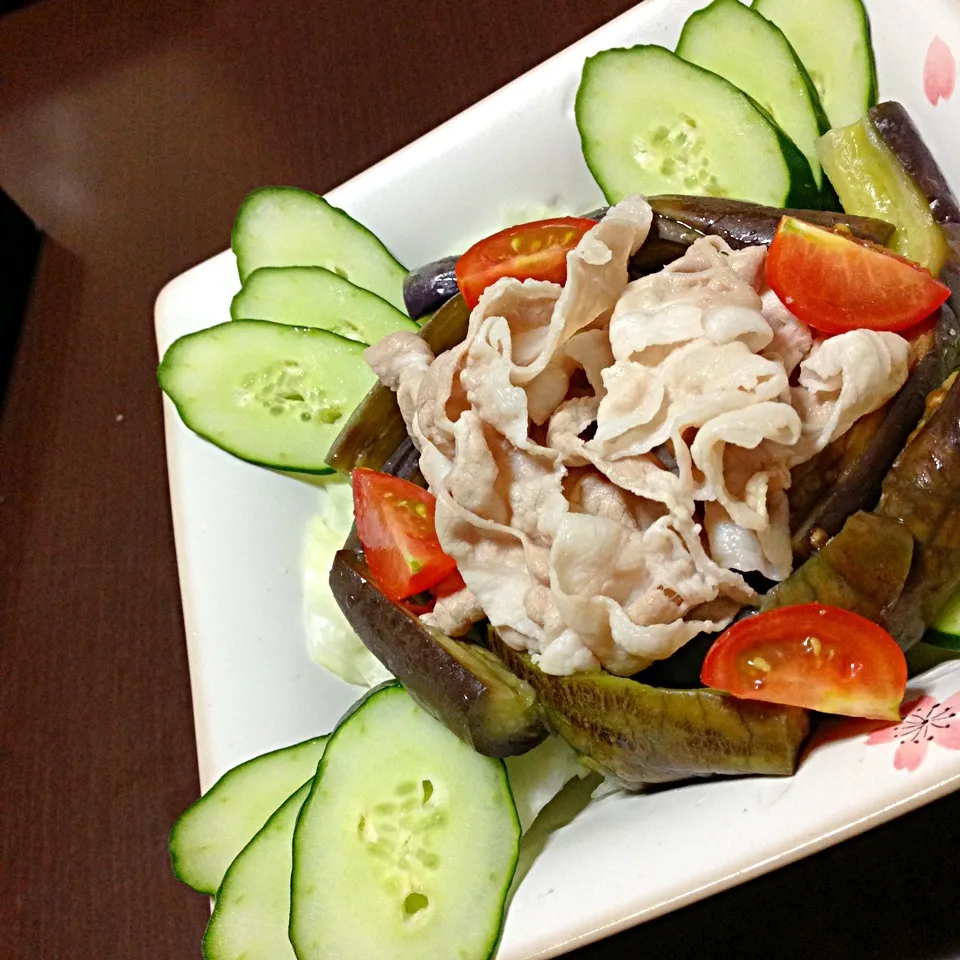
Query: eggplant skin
{"x": 862, "y": 569}
{"x": 900, "y": 134}
{"x": 404, "y": 463}
{"x": 463, "y": 686}
{"x": 812, "y": 481}
{"x": 375, "y": 430}
{"x": 744, "y": 224}
{"x": 429, "y": 287}
{"x": 858, "y": 485}
{"x": 639, "y": 734}
{"x": 923, "y": 493}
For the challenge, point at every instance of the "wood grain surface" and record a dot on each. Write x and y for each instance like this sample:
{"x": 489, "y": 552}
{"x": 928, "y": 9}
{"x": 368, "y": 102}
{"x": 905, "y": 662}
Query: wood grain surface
{"x": 130, "y": 131}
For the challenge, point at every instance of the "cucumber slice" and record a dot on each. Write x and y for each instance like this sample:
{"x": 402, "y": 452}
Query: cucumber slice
{"x": 406, "y": 846}
{"x": 745, "y": 48}
{"x": 315, "y": 297}
{"x": 871, "y": 181}
{"x": 832, "y": 38}
{"x": 210, "y": 834}
{"x": 947, "y": 625}
{"x": 652, "y": 123}
{"x": 265, "y": 392}
{"x": 252, "y": 912}
{"x": 289, "y": 227}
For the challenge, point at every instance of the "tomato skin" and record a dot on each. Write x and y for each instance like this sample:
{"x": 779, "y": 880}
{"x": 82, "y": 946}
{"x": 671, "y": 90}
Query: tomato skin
{"x": 395, "y": 523}
{"x": 834, "y": 282}
{"x": 536, "y": 250}
{"x": 813, "y": 656}
{"x": 418, "y": 609}
{"x": 451, "y": 583}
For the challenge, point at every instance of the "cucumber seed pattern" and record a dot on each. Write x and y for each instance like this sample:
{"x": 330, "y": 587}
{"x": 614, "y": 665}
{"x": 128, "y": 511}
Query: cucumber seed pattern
{"x": 680, "y": 154}
{"x": 284, "y": 388}
{"x": 398, "y": 832}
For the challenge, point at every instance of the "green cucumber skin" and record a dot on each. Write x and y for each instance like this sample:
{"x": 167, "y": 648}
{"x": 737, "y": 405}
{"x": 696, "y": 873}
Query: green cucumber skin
{"x": 941, "y": 638}
{"x": 186, "y": 872}
{"x": 860, "y": 163}
{"x": 355, "y": 714}
{"x": 166, "y": 369}
{"x": 725, "y": 17}
{"x": 873, "y": 87}
{"x": 237, "y": 895}
{"x": 802, "y": 191}
{"x": 386, "y": 277}
{"x": 317, "y": 297}
{"x": 871, "y": 93}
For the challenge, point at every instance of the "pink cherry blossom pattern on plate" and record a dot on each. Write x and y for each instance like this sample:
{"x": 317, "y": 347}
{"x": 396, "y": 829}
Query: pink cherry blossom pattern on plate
{"x": 925, "y": 721}
{"x": 939, "y": 72}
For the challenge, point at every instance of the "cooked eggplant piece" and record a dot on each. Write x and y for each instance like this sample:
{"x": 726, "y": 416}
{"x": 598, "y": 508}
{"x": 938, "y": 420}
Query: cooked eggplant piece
{"x": 641, "y": 734}
{"x": 857, "y": 482}
{"x": 922, "y": 492}
{"x": 376, "y": 429}
{"x": 900, "y": 134}
{"x": 813, "y": 480}
{"x": 371, "y": 435}
{"x": 429, "y": 287}
{"x": 463, "y": 685}
{"x": 862, "y": 569}
{"x": 744, "y": 224}
{"x": 405, "y": 463}
{"x": 871, "y": 181}
{"x": 925, "y": 656}
{"x": 667, "y": 241}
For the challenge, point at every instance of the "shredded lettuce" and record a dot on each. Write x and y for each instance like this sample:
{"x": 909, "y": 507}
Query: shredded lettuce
{"x": 537, "y": 776}
{"x": 337, "y": 511}
{"x": 559, "y": 801}
{"x": 512, "y": 214}
{"x": 331, "y": 642}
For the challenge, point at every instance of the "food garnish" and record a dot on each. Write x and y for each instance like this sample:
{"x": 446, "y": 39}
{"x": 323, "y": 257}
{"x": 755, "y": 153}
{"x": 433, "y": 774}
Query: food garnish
{"x": 835, "y": 283}
{"x": 530, "y": 251}
{"x": 814, "y": 656}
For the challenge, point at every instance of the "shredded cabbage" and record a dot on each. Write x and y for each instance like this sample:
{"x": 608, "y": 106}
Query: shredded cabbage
{"x": 537, "y": 776}
{"x": 331, "y": 642}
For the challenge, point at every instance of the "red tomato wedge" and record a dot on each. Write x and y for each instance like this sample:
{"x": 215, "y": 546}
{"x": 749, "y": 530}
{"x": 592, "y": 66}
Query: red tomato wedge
{"x": 529, "y": 251}
{"x": 395, "y": 523}
{"x": 451, "y": 583}
{"x": 814, "y": 656}
{"x": 834, "y": 282}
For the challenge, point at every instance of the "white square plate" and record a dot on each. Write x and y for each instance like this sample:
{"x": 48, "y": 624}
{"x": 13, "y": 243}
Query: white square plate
{"x": 239, "y": 529}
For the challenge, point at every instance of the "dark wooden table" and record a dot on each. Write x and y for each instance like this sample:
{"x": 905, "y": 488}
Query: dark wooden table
{"x": 129, "y": 131}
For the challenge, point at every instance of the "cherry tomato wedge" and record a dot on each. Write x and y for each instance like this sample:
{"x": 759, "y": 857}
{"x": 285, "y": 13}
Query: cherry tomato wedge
{"x": 451, "y": 583}
{"x": 814, "y": 656}
{"x": 419, "y": 609}
{"x": 834, "y": 282}
{"x": 536, "y": 251}
{"x": 395, "y": 523}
